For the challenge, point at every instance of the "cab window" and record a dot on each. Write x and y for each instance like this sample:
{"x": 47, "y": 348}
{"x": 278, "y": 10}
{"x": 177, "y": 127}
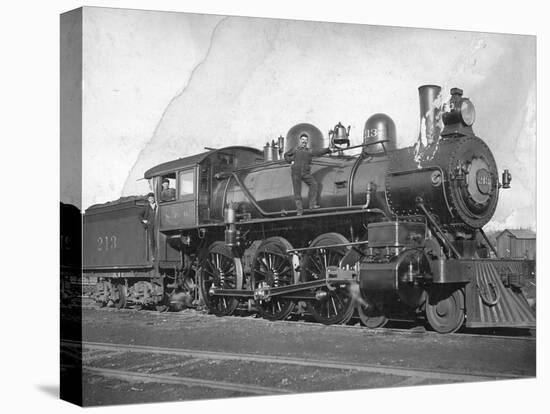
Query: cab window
{"x": 168, "y": 187}
{"x": 186, "y": 183}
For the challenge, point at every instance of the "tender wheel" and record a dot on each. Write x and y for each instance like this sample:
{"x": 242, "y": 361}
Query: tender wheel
{"x": 445, "y": 310}
{"x": 182, "y": 291}
{"x": 335, "y": 305}
{"x": 219, "y": 270}
{"x": 272, "y": 267}
{"x": 162, "y": 308}
{"x": 369, "y": 314}
{"x": 120, "y": 296}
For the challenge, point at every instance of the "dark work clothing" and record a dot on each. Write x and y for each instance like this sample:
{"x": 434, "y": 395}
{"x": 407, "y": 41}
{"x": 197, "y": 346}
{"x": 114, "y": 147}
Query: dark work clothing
{"x": 302, "y": 158}
{"x": 168, "y": 195}
{"x": 152, "y": 242}
{"x": 148, "y": 213}
{"x": 301, "y": 171}
{"x": 297, "y": 187}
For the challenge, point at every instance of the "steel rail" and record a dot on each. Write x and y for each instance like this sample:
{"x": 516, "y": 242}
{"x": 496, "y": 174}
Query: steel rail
{"x": 407, "y": 331}
{"x": 438, "y": 374}
{"x": 187, "y": 381}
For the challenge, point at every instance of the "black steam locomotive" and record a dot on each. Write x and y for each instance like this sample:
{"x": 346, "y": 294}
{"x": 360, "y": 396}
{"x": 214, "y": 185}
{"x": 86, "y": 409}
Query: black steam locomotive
{"x": 399, "y": 232}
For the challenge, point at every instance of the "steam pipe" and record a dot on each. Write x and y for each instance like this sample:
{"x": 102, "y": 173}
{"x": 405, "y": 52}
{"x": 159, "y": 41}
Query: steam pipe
{"x": 281, "y": 146}
{"x": 420, "y": 204}
{"x": 369, "y": 192}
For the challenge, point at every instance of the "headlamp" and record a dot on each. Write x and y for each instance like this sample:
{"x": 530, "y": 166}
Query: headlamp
{"x": 462, "y": 110}
{"x": 467, "y": 112}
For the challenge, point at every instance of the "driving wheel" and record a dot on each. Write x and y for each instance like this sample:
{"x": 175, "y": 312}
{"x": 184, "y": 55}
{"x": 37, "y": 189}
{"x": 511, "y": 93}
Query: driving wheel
{"x": 219, "y": 271}
{"x": 272, "y": 267}
{"x": 334, "y": 304}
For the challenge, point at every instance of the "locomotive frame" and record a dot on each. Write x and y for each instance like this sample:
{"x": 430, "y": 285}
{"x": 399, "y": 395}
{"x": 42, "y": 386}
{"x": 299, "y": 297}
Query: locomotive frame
{"x": 399, "y": 232}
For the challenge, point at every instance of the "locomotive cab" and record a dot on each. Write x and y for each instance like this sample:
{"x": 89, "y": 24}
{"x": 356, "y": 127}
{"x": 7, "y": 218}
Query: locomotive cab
{"x": 186, "y": 204}
{"x": 177, "y": 210}
{"x": 192, "y": 180}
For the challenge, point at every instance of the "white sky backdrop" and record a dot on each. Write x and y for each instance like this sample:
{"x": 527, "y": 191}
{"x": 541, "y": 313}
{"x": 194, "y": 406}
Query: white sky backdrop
{"x": 159, "y": 86}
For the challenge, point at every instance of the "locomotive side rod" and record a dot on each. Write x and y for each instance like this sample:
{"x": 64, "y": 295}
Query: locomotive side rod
{"x": 328, "y": 246}
{"x": 283, "y": 290}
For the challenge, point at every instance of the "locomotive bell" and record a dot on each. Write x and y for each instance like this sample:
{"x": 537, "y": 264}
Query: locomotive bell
{"x": 316, "y": 138}
{"x": 339, "y": 135}
{"x": 379, "y": 128}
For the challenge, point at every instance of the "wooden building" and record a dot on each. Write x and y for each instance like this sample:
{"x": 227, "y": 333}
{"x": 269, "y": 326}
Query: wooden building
{"x": 518, "y": 244}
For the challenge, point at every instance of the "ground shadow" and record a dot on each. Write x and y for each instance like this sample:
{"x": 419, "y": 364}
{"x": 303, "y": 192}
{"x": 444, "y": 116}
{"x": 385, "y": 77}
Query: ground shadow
{"x": 49, "y": 389}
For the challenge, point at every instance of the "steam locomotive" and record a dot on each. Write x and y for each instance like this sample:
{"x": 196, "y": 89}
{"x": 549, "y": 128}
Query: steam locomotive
{"x": 399, "y": 232}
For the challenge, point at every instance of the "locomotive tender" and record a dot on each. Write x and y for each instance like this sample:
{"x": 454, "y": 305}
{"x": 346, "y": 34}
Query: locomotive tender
{"x": 399, "y": 232}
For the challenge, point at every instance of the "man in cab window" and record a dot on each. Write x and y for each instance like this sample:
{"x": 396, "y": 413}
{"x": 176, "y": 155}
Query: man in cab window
{"x": 167, "y": 193}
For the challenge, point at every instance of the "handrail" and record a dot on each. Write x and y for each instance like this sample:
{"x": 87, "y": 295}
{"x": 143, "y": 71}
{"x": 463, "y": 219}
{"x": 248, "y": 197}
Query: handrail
{"x": 252, "y": 200}
{"x": 279, "y": 213}
{"x": 488, "y": 242}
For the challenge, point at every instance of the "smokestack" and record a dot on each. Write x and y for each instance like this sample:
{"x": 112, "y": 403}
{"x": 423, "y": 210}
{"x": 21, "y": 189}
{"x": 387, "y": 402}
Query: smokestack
{"x": 430, "y": 113}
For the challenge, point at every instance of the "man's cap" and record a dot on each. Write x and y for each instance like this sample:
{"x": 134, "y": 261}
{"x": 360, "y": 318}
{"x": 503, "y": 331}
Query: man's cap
{"x": 165, "y": 180}
{"x": 151, "y": 195}
{"x": 304, "y": 135}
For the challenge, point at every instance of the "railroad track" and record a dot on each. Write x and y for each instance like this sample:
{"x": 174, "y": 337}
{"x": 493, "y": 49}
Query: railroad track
{"x": 97, "y": 359}
{"x": 520, "y": 335}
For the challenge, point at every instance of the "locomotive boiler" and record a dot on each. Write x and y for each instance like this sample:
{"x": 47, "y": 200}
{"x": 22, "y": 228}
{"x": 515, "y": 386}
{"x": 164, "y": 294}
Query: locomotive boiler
{"x": 399, "y": 231}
